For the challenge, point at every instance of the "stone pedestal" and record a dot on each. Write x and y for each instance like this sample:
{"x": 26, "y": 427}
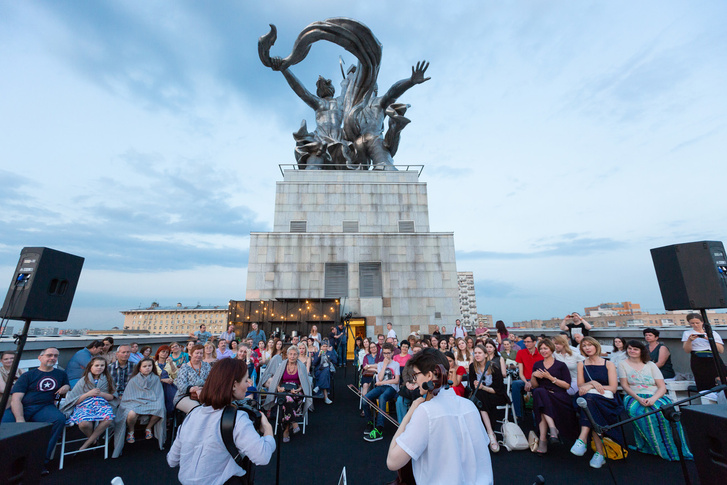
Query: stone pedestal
{"x": 362, "y": 237}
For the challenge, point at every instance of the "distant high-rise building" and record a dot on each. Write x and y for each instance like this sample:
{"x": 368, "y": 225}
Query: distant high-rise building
{"x": 467, "y": 300}
{"x": 176, "y": 319}
{"x": 485, "y": 319}
{"x": 612, "y": 309}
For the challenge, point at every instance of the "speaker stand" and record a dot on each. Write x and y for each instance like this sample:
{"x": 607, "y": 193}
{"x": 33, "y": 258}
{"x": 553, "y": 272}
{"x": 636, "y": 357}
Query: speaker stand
{"x": 21, "y": 339}
{"x": 713, "y": 346}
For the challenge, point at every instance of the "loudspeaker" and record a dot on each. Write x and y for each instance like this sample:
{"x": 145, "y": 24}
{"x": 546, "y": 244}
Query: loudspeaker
{"x": 43, "y": 285}
{"x": 24, "y": 446}
{"x": 706, "y": 427}
{"x": 692, "y": 275}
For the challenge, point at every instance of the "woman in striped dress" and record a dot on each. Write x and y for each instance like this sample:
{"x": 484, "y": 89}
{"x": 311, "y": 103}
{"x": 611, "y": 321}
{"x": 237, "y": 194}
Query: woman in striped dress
{"x": 645, "y": 390}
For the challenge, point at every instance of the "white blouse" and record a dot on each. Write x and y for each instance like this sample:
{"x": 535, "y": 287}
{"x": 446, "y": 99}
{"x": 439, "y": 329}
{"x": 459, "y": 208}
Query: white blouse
{"x": 201, "y": 454}
{"x": 700, "y": 343}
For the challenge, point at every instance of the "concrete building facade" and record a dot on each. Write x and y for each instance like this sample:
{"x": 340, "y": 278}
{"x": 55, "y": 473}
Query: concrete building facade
{"x": 177, "y": 319}
{"x": 362, "y": 237}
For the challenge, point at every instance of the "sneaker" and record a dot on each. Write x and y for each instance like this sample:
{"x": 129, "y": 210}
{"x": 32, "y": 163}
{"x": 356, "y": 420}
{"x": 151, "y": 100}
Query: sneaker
{"x": 597, "y": 461}
{"x": 578, "y": 448}
{"x": 315, "y": 390}
{"x": 328, "y": 401}
{"x": 369, "y": 428}
{"x": 375, "y": 435}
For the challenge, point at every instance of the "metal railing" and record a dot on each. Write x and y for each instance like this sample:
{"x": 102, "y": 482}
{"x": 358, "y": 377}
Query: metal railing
{"x": 343, "y": 166}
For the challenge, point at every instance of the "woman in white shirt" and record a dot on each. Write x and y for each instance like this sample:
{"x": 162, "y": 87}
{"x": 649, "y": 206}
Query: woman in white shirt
{"x": 199, "y": 450}
{"x": 565, "y": 354}
{"x": 619, "y": 351}
{"x": 695, "y": 342}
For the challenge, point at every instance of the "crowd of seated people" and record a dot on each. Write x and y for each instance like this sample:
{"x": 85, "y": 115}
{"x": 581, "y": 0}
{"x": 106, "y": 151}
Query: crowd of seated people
{"x": 113, "y": 390}
{"x": 550, "y": 373}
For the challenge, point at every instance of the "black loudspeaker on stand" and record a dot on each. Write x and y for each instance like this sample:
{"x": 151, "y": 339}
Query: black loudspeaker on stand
{"x": 692, "y": 275}
{"x": 42, "y": 288}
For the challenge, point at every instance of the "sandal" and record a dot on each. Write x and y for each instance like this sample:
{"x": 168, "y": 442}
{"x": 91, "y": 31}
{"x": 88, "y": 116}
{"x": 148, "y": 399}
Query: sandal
{"x": 554, "y": 438}
{"x": 542, "y": 447}
{"x": 130, "y": 437}
{"x": 494, "y": 445}
{"x": 148, "y": 434}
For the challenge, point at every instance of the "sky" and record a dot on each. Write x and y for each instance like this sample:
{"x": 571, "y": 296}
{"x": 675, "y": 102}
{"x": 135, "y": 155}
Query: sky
{"x": 561, "y": 141}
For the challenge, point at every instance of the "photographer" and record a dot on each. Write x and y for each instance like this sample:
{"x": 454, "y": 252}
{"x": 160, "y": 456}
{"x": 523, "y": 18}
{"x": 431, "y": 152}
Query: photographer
{"x": 575, "y": 324}
{"x": 701, "y": 362}
{"x": 323, "y": 367}
{"x": 199, "y": 450}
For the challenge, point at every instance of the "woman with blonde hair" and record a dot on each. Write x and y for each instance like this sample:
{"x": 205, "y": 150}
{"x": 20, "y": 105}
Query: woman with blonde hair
{"x": 597, "y": 384}
{"x": 210, "y": 353}
{"x": 565, "y": 354}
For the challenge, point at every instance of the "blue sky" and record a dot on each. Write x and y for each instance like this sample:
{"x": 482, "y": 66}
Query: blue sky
{"x": 561, "y": 140}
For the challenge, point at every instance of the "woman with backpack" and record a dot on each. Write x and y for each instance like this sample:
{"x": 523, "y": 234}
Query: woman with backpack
{"x": 198, "y": 450}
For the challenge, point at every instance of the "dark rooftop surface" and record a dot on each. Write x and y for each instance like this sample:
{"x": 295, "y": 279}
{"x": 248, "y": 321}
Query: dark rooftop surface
{"x": 334, "y": 439}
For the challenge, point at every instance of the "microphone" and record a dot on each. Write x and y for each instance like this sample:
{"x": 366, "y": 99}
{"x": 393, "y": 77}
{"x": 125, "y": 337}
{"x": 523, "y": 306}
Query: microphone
{"x": 584, "y": 405}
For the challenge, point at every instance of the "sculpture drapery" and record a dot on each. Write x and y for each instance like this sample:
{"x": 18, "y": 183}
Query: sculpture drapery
{"x": 349, "y": 130}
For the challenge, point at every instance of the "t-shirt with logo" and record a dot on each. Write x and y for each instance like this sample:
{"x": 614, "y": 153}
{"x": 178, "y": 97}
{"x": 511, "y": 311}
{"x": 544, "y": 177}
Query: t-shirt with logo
{"x": 392, "y": 371}
{"x": 40, "y": 387}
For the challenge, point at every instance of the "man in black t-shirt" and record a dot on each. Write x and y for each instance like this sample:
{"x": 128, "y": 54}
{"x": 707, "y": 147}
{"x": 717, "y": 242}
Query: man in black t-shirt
{"x": 34, "y": 394}
{"x": 574, "y": 324}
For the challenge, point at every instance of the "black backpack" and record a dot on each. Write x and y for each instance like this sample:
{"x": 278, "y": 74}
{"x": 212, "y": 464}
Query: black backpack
{"x": 227, "y": 424}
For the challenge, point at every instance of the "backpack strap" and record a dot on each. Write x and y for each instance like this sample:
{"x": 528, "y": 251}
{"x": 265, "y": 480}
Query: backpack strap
{"x": 227, "y": 424}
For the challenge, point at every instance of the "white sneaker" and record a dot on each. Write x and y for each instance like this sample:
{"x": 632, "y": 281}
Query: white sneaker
{"x": 315, "y": 390}
{"x": 597, "y": 461}
{"x": 328, "y": 401}
{"x": 578, "y": 448}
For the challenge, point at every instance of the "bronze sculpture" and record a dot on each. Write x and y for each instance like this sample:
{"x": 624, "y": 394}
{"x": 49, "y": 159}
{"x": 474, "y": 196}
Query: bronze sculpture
{"x": 349, "y": 130}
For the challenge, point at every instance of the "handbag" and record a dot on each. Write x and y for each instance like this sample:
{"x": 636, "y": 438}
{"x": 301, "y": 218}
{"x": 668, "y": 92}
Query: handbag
{"x": 533, "y": 441}
{"x": 606, "y": 393}
{"x": 613, "y": 450}
{"x": 513, "y": 437}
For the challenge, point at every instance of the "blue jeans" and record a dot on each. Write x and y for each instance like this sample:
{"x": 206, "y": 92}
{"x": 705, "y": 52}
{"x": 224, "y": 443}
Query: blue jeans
{"x": 402, "y": 407}
{"x": 341, "y": 351}
{"x": 384, "y": 394}
{"x": 516, "y": 391}
{"x": 44, "y": 414}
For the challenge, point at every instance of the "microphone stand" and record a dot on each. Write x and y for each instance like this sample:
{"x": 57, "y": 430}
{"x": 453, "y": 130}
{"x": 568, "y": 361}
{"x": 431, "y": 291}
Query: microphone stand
{"x": 673, "y": 416}
{"x": 280, "y": 399}
{"x": 599, "y": 430}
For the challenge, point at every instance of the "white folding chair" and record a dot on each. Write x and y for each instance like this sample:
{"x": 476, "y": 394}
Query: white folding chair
{"x": 64, "y": 441}
{"x": 303, "y": 422}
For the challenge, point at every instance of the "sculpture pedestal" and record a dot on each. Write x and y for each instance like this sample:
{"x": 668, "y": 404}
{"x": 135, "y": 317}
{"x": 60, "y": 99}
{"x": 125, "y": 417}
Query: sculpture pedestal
{"x": 362, "y": 237}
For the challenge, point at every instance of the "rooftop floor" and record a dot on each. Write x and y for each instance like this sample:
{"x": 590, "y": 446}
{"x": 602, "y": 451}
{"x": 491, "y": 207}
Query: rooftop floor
{"x": 334, "y": 439}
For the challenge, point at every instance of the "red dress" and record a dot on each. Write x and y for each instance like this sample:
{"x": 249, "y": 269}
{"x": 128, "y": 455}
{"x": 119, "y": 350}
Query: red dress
{"x": 459, "y": 389}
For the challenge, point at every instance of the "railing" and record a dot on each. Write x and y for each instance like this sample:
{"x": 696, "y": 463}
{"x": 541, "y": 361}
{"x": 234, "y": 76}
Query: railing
{"x": 343, "y": 166}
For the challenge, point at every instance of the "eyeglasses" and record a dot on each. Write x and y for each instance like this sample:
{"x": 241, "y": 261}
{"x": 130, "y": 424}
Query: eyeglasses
{"x": 414, "y": 375}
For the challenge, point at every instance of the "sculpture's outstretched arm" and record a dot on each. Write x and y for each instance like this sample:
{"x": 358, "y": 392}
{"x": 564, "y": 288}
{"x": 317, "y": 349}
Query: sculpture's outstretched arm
{"x": 400, "y": 87}
{"x": 309, "y": 98}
